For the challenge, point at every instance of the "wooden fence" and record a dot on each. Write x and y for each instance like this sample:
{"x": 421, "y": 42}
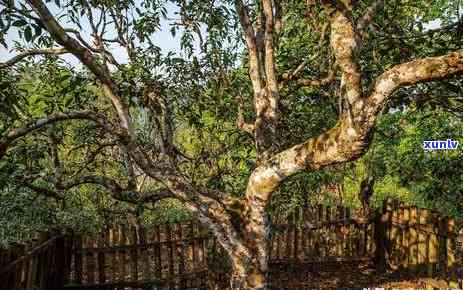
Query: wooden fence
{"x": 15, "y": 250}
{"x": 421, "y": 243}
{"x": 42, "y": 267}
{"x": 172, "y": 256}
{"x": 320, "y": 234}
{"x": 186, "y": 256}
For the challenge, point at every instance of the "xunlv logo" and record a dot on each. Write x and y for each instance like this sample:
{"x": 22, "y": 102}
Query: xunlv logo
{"x": 449, "y": 144}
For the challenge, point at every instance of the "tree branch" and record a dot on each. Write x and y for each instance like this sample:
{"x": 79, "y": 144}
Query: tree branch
{"x": 118, "y": 192}
{"x": 32, "y": 52}
{"x": 291, "y": 76}
{"x": 270, "y": 69}
{"x": 89, "y": 60}
{"x": 14, "y": 134}
{"x": 91, "y": 156}
{"x": 40, "y": 190}
{"x": 329, "y": 78}
{"x": 345, "y": 45}
{"x": 57, "y": 168}
{"x": 240, "y": 121}
{"x": 278, "y": 19}
{"x": 413, "y": 72}
{"x": 251, "y": 43}
{"x": 350, "y": 138}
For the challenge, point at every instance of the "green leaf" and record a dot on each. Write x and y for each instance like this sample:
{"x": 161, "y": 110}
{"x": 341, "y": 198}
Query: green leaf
{"x": 3, "y": 42}
{"x": 37, "y": 30}
{"x": 19, "y": 23}
{"x": 28, "y": 34}
{"x": 173, "y": 30}
{"x": 67, "y": 99}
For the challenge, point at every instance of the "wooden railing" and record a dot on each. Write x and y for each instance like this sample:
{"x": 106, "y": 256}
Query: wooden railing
{"x": 186, "y": 256}
{"x": 167, "y": 255}
{"x": 321, "y": 233}
{"x": 421, "y": 243}
{"x": 41, "y": 268}
{"x": 16, "y": 250}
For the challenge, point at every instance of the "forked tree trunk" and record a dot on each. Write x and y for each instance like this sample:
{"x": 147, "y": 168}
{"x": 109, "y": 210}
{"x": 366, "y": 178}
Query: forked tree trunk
{"x": 250, "y": 266}
{"x": 250, "y": 272}
{"x": 250, "y": 279}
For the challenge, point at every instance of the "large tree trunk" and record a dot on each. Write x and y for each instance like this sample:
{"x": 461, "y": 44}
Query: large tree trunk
{"x": 250, "y": 272}
{"x": 249, "y": 276}
{"x": 248, "y": 253}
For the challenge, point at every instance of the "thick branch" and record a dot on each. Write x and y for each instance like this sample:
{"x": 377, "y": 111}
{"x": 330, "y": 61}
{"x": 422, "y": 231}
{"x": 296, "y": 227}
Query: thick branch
{"x": 154, "y": 197}
{"x": 329, "y": 78}
{"x": 270, "y": 54}
{"x": 270, "y": 69}
{"x": 350, "y": 138}
{"x": 32, "y": 52}
{"x": 413, "y": 72}
{"x": 240, "y": 121}
{"x": 14, "y": 134}
{"x": 210, "y": 205}
{"x": 88, "y": 59}
{"x": 40, "y": 190}
{"x": 250, "y": 38}
{"x": 345, "y": 45}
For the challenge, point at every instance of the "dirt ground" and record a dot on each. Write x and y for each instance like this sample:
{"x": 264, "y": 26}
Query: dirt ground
{"x": 338, "y": 275}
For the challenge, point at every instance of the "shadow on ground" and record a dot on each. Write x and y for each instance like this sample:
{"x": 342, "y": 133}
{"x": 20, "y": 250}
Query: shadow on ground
{"x": 337, "y": 275}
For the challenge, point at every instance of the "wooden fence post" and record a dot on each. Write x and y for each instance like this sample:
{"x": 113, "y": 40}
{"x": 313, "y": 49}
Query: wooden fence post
{"x": 296, "y": 234}
{"x": 423, "y": 238}
{"x": 287, "y": 232}
{"x": 102, "y": 243}
{"x": 68, "y": 238}
{"x": 181, "y": 255}
{"x": 133, "y": 253}
{"x": 90, "y": 259}
{"x": 157, "y": 253}
{"x": 401, "y": 234}
{"x": 60, "y": 263}
{"x": 145, "y": 253}
{"x": 451, "y": 254}
{"x": 381, "y": 224}
{"x": 443, "y": 246}
{"x": 393, "y": 233}
{"x": 171, "y": 256}
{"x": 123, "y": 254}
{"x": 413, "y": 241}
{"x": 433, "y": 245}
{"x": 78, "y": 258}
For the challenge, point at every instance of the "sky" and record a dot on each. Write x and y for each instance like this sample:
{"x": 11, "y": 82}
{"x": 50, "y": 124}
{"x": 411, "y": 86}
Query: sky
{"x": 163, "y": 38}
